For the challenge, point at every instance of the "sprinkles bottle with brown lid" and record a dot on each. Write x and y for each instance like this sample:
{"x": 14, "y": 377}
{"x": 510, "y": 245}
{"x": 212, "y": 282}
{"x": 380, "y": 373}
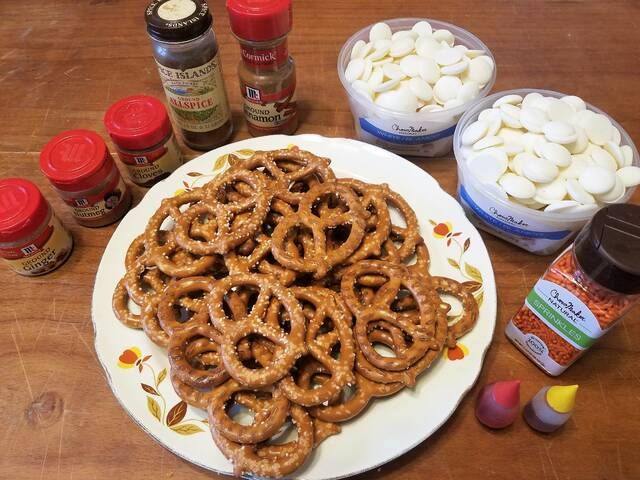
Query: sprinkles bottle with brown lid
{"x": 32, "y": 239}
{"x": 583, "y": 293}
{"x": 82, "y": 171}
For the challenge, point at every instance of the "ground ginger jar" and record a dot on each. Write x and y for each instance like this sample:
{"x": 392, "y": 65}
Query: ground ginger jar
{"x": 32, "y": 239}
{"x": 583, "y": 293}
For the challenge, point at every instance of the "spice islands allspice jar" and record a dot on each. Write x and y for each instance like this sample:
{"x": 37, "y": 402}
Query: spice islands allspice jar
{"x": 186, "y": 54}
{"x": 32, "y": 239}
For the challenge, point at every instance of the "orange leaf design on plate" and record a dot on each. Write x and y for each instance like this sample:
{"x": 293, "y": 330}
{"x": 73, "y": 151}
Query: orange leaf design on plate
{"x": 177, "y": 413}
{"x": 456, "y": 353}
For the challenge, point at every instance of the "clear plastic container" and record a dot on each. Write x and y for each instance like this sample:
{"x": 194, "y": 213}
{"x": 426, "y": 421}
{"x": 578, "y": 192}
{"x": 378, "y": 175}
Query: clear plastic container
{"x": 423, "y": 134}
{"x": 536, "y": 231}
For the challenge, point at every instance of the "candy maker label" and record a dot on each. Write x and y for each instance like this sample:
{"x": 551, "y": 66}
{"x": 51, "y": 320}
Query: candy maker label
{"x": 564, "y": 313}
{"x": 507, "y": 222}
{"x": 408, "y": 134}
{"x": 197, "y": 96}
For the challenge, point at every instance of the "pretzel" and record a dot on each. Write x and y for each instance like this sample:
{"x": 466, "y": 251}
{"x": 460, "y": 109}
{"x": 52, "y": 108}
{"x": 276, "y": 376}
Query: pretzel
{"x": 269, "y": 414}
{"x": 180, "y": 294}
{"x": 140, "y": 280}
{"x": 315, "y": 257}
{"x": 151, "y": 324}
{"x": 269, "y": 460}
{"x": 182, "y": 364}
{"x": 192, "y": 396}
{"x": 220, "y": 212}
{"x": 327, "y": 305}
{"x": 469, "y": 305}
{"x": 323, "y": 430}
{"x": 290, "y": 345}
{"x": 120, "y": 303}
{"x": 349, "y": 406}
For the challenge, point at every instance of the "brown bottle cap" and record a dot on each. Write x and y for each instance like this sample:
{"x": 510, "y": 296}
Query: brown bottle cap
{"x": 608, "y": 248}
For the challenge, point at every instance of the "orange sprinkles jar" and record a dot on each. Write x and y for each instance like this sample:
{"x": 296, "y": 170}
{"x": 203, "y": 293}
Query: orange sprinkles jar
{"x": 583, "y": 293}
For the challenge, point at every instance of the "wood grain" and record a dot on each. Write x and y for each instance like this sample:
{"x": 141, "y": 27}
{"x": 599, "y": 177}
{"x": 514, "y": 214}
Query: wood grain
{"x": 64, "y": 62}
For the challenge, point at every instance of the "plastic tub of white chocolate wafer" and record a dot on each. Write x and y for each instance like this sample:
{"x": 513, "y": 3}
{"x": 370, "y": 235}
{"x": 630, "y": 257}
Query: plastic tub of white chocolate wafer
{"x": 545, "y": 222}
{"x": 415, "y": 114}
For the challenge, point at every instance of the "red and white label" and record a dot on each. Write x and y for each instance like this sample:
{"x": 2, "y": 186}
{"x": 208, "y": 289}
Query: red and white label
{"x": 277, "y": 55}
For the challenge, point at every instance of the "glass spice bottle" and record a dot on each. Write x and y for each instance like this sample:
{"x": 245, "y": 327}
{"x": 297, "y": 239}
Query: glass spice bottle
{"x": 82, "y": 172}
{"x": 140, "y": 128}
{"x": 32, "y": 239}
{"x": 186, "y": 53}
{"x": 583, "y": 293}
{"x": 267, "y": 73}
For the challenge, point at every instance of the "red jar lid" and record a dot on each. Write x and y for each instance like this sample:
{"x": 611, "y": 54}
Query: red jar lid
{"x": 138, "y": 122}
{"x": 260, "y": 20}
{"x": 76, "y": 160}
{"x": 22, "y": 209}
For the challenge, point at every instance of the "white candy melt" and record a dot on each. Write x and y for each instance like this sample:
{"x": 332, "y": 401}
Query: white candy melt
{"x": 488, "y": 165}
{"x": 354, "y": 69}
{"x": 488, "y": 142}
{"x": 421, "y": 89}
{"x": 560, "y": 132}
{"x": 597, "y": 180}
{"x": 517, "y": 186}
{"x": 539, "y": 170}
{"x": 398, "y": 100}
{"x": 380, "y": 31}
{"x": 630, "y": 176}
{"x": 423, "y": 29}
{"x": 556, "y": 154}
{"x": 447, "y": 88}
{"x": 474, "y": 132}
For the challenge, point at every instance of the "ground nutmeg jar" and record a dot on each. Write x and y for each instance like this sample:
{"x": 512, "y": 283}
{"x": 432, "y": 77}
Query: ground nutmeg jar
{"x": 188, "y": 61}
{"x": 141, "y": 130}
{"x": 591, "y": 285}
{"x": 82, "y": 171}
{"x": 267, "y": 73}
{"x": 32, "y": 239}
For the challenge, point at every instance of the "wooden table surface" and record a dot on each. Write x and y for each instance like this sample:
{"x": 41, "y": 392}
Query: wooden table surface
{"x": 64, "y": 62}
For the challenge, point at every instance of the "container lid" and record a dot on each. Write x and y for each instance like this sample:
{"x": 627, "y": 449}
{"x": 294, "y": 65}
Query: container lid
{"x": 260, "y": 20}
{"x": 22, "y": 209}
{"x": 75, "y": 160}
{"x": 608, "y": 248}
{"x": 177, "y": 20}
{"x": 137, "y": 122}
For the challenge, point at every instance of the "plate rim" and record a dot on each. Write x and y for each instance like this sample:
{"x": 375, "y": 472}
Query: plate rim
{"x": 294, "y": 139}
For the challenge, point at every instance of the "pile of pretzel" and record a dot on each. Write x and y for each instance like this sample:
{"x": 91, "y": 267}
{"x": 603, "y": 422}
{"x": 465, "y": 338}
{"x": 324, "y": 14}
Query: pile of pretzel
{"x": 296, "y": 296}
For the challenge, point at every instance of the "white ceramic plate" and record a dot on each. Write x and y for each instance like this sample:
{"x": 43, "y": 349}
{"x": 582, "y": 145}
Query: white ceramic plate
{"x": 136, "y": 368}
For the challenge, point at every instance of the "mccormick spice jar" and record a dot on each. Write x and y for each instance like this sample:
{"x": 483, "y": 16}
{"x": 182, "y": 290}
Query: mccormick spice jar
{"x": 82, "y": 171}
{"x": 32, "y": 239}
{"x": 267, "y": 72}
{"x": 583, "y": 293}
{"x": 186, "y": 54}
{"x": 141, "y": 130}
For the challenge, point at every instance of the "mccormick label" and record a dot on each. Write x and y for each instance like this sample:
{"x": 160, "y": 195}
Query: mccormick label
{"x": 196, "y": 96}
{"x": 260, "y": 57}
{"x": 146, "y": 167}
{"x": 42, "y": 254}
{"x": 268, "y": 111}
{"x": 99, "y": 204}
{"x": 565, "y": 314}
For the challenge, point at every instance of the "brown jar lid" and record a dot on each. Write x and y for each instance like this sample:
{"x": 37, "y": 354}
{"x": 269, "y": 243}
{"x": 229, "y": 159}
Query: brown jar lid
{"x": 177, "y": 20}
{"x": 608, "y": 248}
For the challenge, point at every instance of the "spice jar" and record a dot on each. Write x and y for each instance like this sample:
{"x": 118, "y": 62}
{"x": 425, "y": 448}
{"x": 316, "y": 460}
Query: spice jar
{"x": 267, "y": 72}
{"x": 82, "y": 171}
{"x": 140, "y": 128}
{"x": 186, "y": 53}
{"x": 32, "y": 239}
{"x": 583, "y": 293}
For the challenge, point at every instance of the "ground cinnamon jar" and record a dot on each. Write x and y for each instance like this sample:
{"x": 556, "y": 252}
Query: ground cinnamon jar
{"x": 591, "y": 285}
{"x": 32, "y": 239}
{"x": 186, "y": 53}
{"x": 82, "y": 171}
{"x": 267, "y": 72}
{"x": 140, "y": 128}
